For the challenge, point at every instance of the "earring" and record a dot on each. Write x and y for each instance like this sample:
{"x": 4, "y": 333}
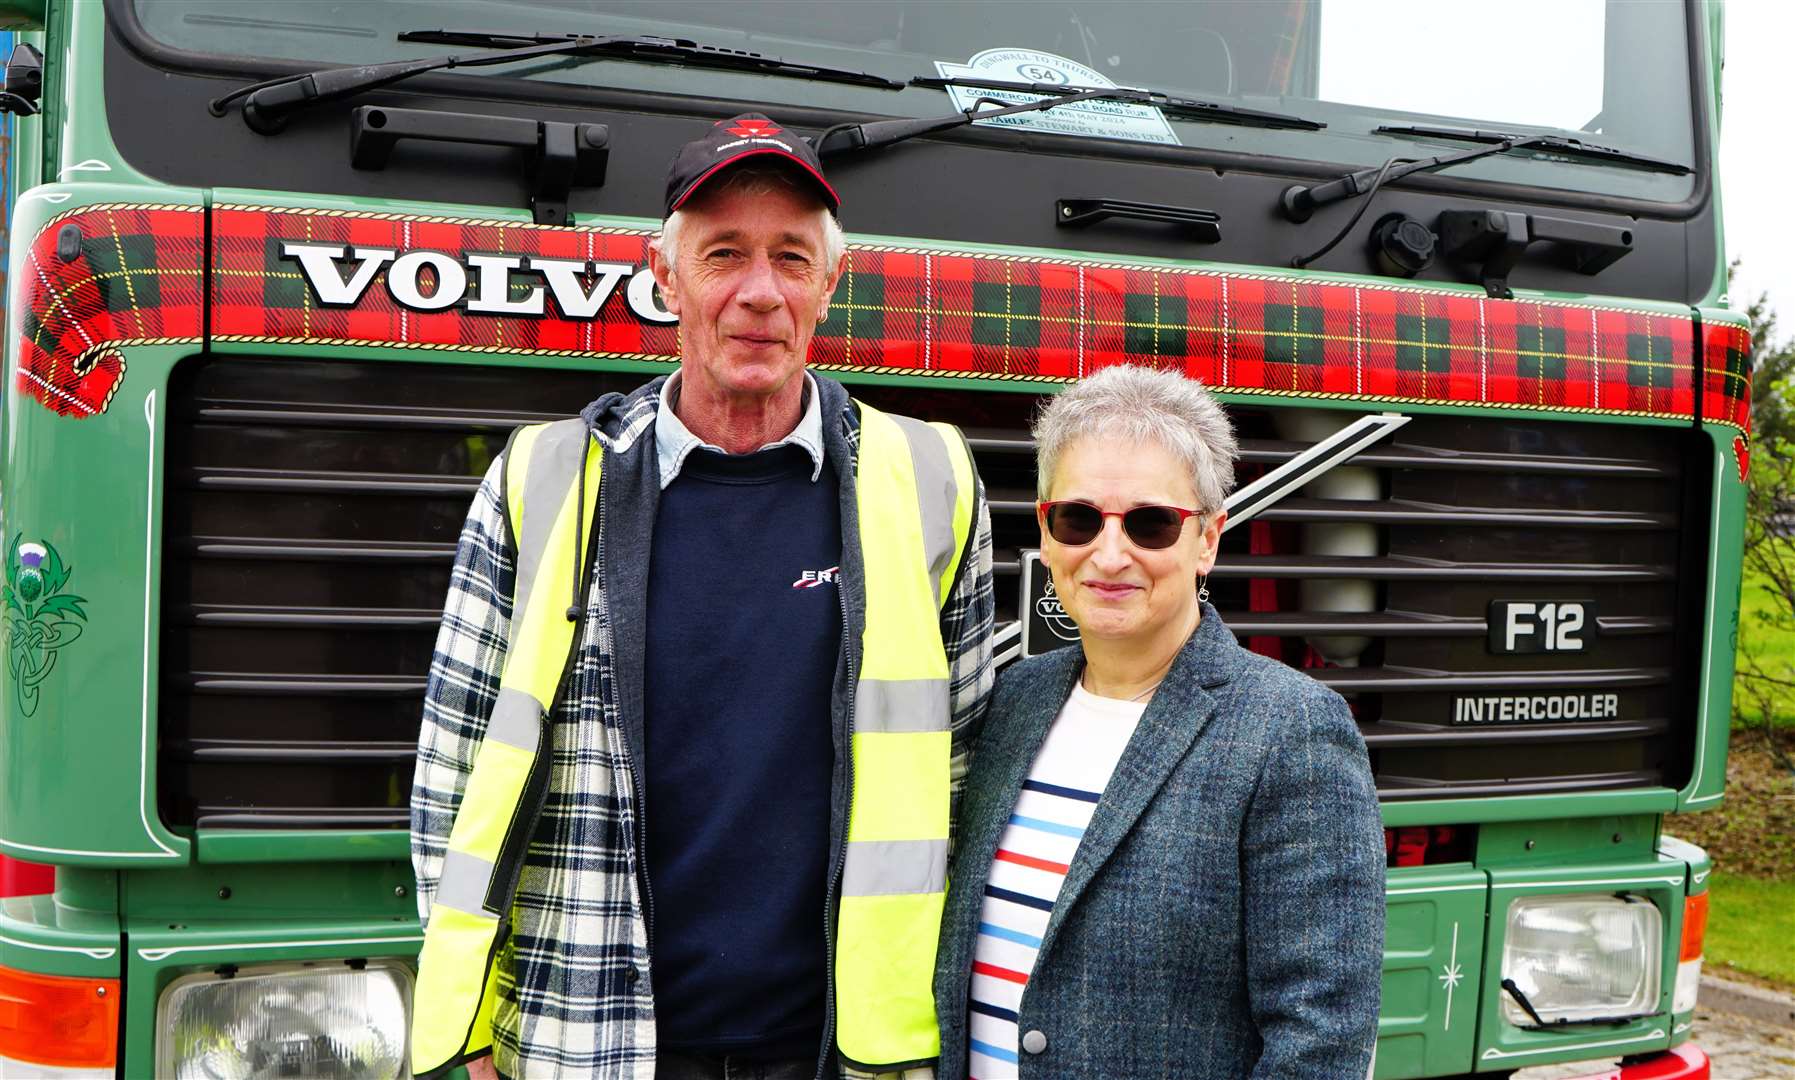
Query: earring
{"x": 1203, "y": 589}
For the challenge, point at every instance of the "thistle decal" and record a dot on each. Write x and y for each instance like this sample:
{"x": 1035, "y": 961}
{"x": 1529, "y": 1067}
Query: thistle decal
{"x": 40, "y": 617}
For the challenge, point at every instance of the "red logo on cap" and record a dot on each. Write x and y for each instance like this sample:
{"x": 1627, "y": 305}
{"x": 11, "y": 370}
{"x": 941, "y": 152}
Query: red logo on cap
{"x": 754, "y": 129}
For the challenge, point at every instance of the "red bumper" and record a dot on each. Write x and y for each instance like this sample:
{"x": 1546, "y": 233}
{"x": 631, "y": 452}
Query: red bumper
{"x": 1685, "y": 1062}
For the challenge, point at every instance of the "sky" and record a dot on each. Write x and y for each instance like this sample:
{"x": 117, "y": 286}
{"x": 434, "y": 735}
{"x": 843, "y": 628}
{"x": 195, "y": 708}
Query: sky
{"x": 1757, "y": 153}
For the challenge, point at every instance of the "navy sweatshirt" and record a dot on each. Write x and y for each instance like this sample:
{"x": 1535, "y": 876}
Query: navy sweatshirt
{"x": 744, "y": 630}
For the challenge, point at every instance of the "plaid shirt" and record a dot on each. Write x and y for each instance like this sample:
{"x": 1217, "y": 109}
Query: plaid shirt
{"x": 568, "y": 1002}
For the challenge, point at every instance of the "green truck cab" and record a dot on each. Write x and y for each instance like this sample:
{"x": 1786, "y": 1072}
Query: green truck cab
{"x": 1457, "y": 274}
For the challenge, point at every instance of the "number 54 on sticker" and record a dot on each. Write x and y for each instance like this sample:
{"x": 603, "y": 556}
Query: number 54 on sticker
{"x": 1539, "y": 626}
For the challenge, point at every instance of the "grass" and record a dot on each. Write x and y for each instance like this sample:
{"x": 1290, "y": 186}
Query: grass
{"x": 1751, "y": 927}
{"x": 1767, "y": 632}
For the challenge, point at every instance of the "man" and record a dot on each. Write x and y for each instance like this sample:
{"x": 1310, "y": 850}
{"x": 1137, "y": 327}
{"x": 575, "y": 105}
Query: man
{"x": 693, "y": 824}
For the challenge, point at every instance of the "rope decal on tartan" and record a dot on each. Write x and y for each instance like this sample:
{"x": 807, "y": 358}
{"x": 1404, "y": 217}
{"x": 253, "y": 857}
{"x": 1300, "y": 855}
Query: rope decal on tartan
{"x": 989, "y": 316}
{"x": 918, "y": 311}
{"x": 1726, "y": 371}
{"x": 134, "y": 280}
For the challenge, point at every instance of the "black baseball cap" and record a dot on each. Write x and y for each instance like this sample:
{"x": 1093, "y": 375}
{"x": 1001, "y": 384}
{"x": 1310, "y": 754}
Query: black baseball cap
{"x": 737, "y": 139}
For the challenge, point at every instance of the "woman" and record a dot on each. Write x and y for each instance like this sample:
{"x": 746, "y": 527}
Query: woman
{"x": 1170, "y": 861}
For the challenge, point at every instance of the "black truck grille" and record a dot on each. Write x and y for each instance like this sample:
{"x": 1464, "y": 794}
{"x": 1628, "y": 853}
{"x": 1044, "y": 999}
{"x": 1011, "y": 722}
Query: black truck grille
{"x": 1462, "y": 511}
{"x": 312, "y": 515}
{"x": 312, "y": 511}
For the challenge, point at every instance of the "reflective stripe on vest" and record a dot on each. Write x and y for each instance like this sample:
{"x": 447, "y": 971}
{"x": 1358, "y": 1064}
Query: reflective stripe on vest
{"x": 452, "y": 1009}
{"x": 915, "y": 491}
{"x": 915, "y": 496}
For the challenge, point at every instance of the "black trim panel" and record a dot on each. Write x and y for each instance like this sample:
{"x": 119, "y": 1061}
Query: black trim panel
{"x": 968, "y": 177}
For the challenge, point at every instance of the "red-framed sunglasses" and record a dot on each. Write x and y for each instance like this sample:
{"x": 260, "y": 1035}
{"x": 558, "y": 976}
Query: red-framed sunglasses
{"x": 1075, "y": 524}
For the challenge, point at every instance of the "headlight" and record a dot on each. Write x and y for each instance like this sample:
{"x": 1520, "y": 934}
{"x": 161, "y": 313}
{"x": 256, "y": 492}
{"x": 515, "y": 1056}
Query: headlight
{"x": 1583, "y": 957}
{"x": 322, "y": 1020}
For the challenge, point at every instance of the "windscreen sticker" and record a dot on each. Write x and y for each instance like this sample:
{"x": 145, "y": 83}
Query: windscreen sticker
{"x": 1099, "y": 119}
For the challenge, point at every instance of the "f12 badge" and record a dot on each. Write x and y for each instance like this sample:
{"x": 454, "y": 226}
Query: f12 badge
{"x": 1540, "y": 626}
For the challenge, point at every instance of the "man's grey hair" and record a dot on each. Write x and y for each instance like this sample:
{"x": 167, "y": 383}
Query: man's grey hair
{"x": 754, "y": 178}
{"x": 1143, "y": 405}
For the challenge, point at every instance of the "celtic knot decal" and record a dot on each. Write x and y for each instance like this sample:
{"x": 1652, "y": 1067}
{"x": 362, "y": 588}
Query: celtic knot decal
{"x": 40, "y": 617}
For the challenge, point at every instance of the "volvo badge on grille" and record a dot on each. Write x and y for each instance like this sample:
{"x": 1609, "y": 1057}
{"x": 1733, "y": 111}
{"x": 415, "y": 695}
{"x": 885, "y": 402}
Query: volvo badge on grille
{"x": 1045, "y": 624}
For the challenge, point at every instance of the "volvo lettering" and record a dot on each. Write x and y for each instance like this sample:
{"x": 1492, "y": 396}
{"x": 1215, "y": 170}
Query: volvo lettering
{"x": 431, "y": 281}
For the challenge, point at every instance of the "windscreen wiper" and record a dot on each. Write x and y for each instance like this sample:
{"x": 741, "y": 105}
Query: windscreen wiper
{"x": 270, "y": 103}
{"x": 1556, "y": 144}
{"x": 851, "y": 138}
{"x": 1181, "y": 107}
{"x": 1301, "y": 201}
{"x": 667, "y": 51}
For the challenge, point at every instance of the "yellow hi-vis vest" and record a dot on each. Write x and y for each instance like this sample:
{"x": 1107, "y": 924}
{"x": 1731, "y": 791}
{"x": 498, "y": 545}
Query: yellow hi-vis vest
{"x": 915, "y": 496}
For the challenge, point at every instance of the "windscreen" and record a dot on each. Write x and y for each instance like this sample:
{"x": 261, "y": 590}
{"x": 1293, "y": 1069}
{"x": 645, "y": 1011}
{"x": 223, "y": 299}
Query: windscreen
{"x": 1615, "y": 73}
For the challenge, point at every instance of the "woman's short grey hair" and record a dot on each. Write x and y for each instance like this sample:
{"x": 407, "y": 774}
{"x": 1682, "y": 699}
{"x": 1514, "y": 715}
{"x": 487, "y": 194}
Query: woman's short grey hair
{"x": 1138, "y": 404}
{"x": 756, "y": 179}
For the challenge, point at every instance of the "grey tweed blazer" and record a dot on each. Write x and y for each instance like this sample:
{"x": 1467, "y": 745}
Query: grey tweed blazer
{"x": 1224, "y": 914}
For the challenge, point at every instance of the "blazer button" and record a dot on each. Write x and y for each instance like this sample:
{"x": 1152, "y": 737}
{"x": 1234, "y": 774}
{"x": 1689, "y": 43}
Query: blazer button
{"x": 1034, "y": 1042}
{"x": 632, "y": 974}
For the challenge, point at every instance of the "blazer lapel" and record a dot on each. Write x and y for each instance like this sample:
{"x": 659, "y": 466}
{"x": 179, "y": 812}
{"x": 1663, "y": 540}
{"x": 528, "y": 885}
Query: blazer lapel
{"x": 1011, "y": 741}
{"x": 988, "y": 805}
{"x": 1177, "y": 714}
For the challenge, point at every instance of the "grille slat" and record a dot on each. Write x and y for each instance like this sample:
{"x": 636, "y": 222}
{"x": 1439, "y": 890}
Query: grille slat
{"x": 1412, "y": 568}
{"x": 282, "y": 414}
{"x": 1407, "y": 455}
{"x": 1385, "y": 735}
{"x": 314, "y": 509}
{"x": 322, "y": 617}
{"x": 1399, "y": 454}
{"x": 271, "y": 548}
{"x": 265, "y": 480}
{"x": 258, "y": 684}
{"x": 1403, "y": 624}
{"x": 1393, "y": 512}
{"x": 268, "y": 751}
{"x": 1388, "y": 680}
{"x": 1395, "y": 788}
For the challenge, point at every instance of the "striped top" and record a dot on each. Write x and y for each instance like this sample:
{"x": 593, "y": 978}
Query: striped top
{"x": 1069, "y": 774}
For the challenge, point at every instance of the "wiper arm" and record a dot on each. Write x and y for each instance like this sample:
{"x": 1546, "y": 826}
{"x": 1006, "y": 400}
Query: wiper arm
{"x": 850, "y": 138}
{"x": 271, "y": 102}
{"x": 1556, "y": 144}
{"x": 1299, "y": 202}
{"x": 1180, "y": 107}
{"x": 668, "y": 51}
{"x": 1540, "y": 1024}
